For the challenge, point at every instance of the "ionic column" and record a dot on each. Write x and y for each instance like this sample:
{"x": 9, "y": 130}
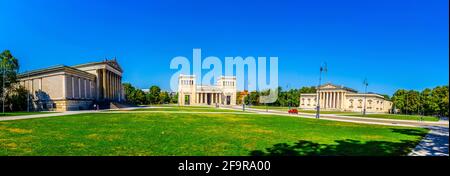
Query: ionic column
{"x": 337, "y": 95}
{"x": 334, "y": 99}
{"x": 331, "y": 99}
{"x": 322, "y": 102}
{"x": 339, "y": 100}
{"x": 111, "y": 83}
{"x": 108, "y": 85}
{"x": 220, "y": 98}
{"x": 116, "y": 96}
{"x": 114, "y": 85}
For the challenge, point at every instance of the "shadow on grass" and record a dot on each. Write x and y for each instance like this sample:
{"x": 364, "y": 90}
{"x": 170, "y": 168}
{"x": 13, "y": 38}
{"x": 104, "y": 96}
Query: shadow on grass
{"x": 346, "y": 147}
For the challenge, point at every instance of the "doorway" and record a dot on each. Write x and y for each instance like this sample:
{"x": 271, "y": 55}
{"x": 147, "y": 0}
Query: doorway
{"x": 208, "y": 99}
{"x": 187, "y": 99}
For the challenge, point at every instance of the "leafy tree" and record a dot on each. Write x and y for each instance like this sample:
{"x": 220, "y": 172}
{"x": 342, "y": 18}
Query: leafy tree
{"x": 164, "y": 97}
{"x": 427, "y": 102}
{"x": 440, "y": 97}
{"x": 9, "y": 68}
{"x": 17, "y": 97}
{"x": 174, "y": 98}
{"x": 139, "y": 97}
{"x": 399, "y": 100}
{"x": 153, "y": 95}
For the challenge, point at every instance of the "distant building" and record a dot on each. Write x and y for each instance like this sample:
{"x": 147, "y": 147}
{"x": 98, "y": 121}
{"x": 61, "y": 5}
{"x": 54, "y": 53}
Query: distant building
{"x": 340, "y": 98}
{"x": 63, "y": 88}
{"x": 223, "y": 93}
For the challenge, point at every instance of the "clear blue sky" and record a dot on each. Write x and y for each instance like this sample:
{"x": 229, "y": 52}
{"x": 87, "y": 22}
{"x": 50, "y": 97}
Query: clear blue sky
{"x": 395, "y": 44}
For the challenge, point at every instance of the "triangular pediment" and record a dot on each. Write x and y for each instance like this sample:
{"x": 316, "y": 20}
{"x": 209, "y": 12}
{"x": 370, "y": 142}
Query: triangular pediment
{"x": 330, "y": 86}
{"x": 113, "y": 63}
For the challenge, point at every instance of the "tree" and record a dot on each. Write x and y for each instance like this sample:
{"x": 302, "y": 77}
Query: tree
{"x": 428, "y": 106}
{"x": 164, "y": 97}
{"x": 412, "y": 102}
{"x": 16, "y": 98}
{"x": 440, "y": 97}
{"x": 427, "y": 102}
{"x": 399, "y": 100}
{"x": 9, "y": 68}
{"x": 174, "y": 98}
{"x": 153, "y": 95}
{"x": 139, "y": 97}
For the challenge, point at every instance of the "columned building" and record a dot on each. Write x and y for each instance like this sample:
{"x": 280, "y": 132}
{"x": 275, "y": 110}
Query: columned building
{"x": 223, "y": 93}
{"x": 63, "y": 88}
{"x": 340, "y": 98}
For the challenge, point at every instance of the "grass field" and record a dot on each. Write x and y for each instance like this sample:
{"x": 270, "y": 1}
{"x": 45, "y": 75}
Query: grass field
{"x": 400, "y": 117}
{"x": 22, "y": 113}
{"x": 169, "y": 133}
{"x": 184, "y": 108}
{"x": 357, "y": 114}
{"x": 300, "y": 110}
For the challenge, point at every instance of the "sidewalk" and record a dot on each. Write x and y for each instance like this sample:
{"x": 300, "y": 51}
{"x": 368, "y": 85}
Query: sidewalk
{"x": 434, "y": 144}
{"x": 6, "y": 118}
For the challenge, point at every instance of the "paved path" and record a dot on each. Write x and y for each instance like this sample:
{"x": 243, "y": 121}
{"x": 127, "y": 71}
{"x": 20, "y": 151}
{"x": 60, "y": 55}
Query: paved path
{"x": 434, "y": 144}
{"x": 55, "y": 114}
{"x": 43, "y": 115}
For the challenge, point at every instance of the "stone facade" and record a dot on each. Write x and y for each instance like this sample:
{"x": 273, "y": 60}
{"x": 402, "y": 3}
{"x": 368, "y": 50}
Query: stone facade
{"x": 341, "y": 98}
{"x": 64, "y": 88}
{"x": 223, "y": 93}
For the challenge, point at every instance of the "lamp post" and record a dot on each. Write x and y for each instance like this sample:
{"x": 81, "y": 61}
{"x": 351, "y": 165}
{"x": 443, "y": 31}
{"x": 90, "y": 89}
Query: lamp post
{"x": 323, "y": 68}
{"x": 3, "y": 88}
{"x": 365, "y": 95}
{"x": 28, "y": 97}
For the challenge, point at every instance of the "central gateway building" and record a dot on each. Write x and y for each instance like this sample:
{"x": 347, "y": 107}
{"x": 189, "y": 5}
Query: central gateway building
{"x": 223, "y": 93}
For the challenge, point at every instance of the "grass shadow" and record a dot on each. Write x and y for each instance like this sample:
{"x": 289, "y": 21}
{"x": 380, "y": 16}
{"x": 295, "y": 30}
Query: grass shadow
{"x": 346, "y": 147}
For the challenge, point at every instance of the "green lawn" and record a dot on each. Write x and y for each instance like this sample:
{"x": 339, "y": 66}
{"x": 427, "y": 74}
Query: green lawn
{"x": 399, "y": 117}
{"x": 167, "y": 133}
{"x": 22, "y": 113}
{"x": 357, "y": 114}
{"x": 185, "y": 108}
{"x": 279, "y": 108}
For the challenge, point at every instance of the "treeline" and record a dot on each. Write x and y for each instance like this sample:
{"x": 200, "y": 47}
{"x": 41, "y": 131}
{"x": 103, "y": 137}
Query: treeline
{"x": 15, "y": 96}
{"x": 427, "y": 102}
{"x": 285, "y": 97}
{"x": 153, "y": 96}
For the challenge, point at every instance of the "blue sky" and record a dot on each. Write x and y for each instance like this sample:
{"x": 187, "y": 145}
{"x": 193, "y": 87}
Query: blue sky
{"x": 395, "y": 44}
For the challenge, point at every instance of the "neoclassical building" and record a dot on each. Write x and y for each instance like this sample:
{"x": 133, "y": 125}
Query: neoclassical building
{"x": 340, "y": 98}
{"x": 223, "y": 93}
{"x": 63, "y": 88}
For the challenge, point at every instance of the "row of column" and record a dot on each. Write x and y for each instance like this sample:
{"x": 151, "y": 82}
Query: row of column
{"x": 202, "y": 98}
{"x": 112, "y": 85}
{"x": 332, "y": 100}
